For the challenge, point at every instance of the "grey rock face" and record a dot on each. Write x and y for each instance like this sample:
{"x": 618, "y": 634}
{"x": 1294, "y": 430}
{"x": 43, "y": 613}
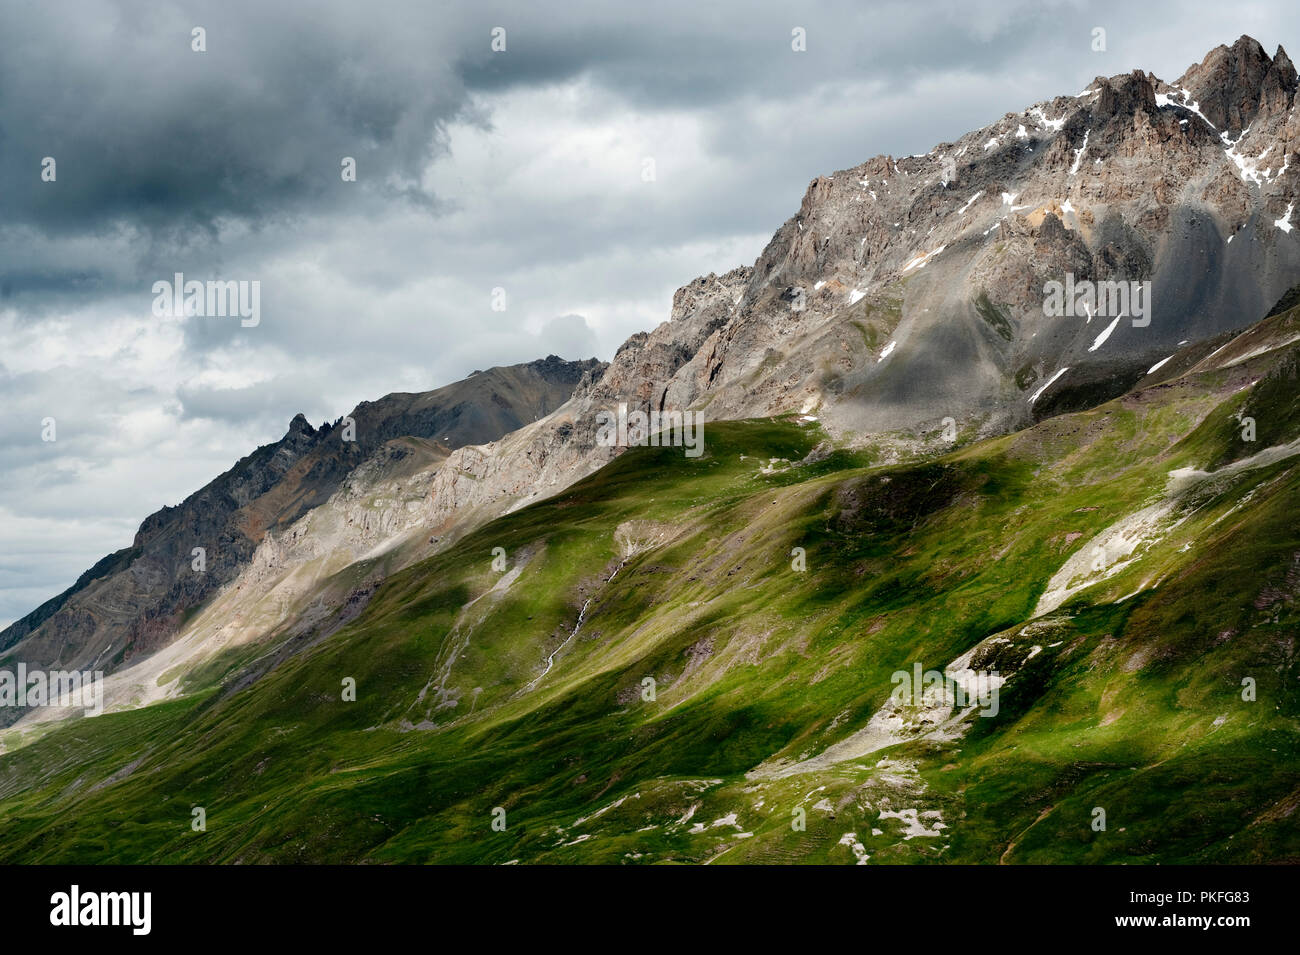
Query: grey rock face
{"x": 921, "y": 278}
{"x": 908, "y": 290}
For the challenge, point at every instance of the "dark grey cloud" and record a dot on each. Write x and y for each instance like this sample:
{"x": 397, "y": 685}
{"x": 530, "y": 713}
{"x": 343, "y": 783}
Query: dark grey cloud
{"x": 146, "y": 130}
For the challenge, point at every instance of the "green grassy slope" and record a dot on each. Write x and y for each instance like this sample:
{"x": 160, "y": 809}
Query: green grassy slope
{"x": 1127, "y": 697}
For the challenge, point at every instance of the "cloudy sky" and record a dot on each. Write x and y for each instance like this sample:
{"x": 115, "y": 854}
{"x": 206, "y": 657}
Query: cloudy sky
{"x": 477, "y": 169}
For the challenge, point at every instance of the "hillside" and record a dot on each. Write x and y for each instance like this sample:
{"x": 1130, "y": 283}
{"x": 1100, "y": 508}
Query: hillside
{"x": 523, "y": 688}
{"x": 907, "y": 293}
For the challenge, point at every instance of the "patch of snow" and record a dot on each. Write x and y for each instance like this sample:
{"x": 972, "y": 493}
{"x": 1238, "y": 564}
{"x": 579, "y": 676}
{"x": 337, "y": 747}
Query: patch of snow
{"x": 1284, "y": 223}
{"x": 1153, "y": 368}
{"x": 1105, "y": 334}
{"x": 969, "y": 201}
{"x": 1163, "y": 99}
{"x": 1245, "y": 168}
{"x": 1078, "y": 153}
{"x": 855, "y": 296}
{"x": 887, "y": 352}
{"x": 1020, "y": 132}
{"x": 920, "y": 261}
{"x": 1053, "y": 124}
{"x": 1037, "y": 394}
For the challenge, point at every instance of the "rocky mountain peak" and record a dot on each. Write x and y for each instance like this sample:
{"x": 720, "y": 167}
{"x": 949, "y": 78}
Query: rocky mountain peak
{"x": 1123, "y": 95}
{"x": 300, "y": 425}
{"x": 1234, "y": 84}
{"x": 940, "y": 259}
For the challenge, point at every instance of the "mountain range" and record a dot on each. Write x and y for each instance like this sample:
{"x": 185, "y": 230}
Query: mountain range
{"x": 625, "y": 654}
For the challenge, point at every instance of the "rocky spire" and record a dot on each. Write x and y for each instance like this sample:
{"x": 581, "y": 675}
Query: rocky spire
{"x": 1234, "y": 84}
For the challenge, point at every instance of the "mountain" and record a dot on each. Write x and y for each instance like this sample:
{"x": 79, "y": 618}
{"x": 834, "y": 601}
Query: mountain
{"x": 896, "y": 298}
{"x": 905, "y": 293}
{"x": 910, "y": 460}
{"x": 924, "y": 276}
{"x": 696, "y": 659}
{"x": 132, "y": 602}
